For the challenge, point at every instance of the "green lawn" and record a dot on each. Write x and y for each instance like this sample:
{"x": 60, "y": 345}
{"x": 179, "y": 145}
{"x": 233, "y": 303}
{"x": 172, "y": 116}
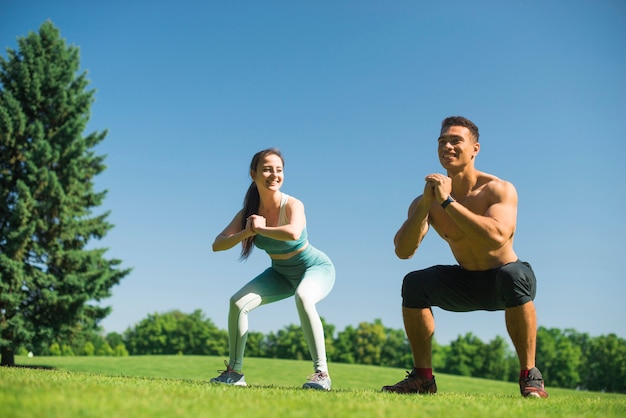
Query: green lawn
{"x": 177, "y": 386}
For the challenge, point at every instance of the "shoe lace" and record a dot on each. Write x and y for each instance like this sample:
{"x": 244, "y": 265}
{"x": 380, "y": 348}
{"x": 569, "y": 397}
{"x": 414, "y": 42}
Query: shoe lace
{"x": 409, "y": 376}
{"x": 533, "y": 381}
{"x": 533, "y": 377}
{"x": 228, "y": 369}
{"x": 317, "y": 376}
{"x": 411, "y": 379}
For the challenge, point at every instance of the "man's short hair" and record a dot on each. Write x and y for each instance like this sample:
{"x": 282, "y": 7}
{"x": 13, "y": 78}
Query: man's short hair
{"x": 460, "y": 121}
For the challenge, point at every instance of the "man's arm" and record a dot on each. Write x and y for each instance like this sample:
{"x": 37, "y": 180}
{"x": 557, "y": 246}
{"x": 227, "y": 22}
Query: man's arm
{"x": 413, "y": 230}
{"x": 496, "y": 227}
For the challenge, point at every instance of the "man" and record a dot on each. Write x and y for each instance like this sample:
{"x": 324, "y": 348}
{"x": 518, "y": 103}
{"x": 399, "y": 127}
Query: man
{"x": 475, "y": 213}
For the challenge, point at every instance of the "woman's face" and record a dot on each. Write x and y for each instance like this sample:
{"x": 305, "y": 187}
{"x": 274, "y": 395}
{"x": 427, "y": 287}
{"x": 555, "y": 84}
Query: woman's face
{"x": 269, "y": 172}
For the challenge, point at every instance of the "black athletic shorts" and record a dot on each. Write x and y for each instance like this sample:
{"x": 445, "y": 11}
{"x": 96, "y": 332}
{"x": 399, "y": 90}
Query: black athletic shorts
{"x": 455, "y": 289}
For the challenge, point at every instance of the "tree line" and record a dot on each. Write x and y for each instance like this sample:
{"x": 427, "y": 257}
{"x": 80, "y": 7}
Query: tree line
{"x": 567, "y": 358}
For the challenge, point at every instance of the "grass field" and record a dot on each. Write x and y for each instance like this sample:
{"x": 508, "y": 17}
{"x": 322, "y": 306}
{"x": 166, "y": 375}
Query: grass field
{"x": 178, "y": 386}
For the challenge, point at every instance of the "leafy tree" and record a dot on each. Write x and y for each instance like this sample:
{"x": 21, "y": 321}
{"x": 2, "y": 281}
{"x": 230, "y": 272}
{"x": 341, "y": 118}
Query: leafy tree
{"x": 256, "y": 345}
{"x": 439, "y": 353}
{"x": 396, "y": 351}
{"x": 217, "y": 342}
{"x": 344, "y": 351}
{"x": 605, "y": 364}
{"x": 466, "y": 356}
{"x": 88, "y": 349}
{"x": 76, "y": 337}
{"x": 175, "y": 332}
{"x": 49, "y": 272}
{"x": 370, "y": 339}
{"x": 352, "y": 345}
{"x": 67, "y": 351}
{"x": 329, "y": 331}
{"x": 120, "y": 350}
{"x": 513, "y": 367}
{"x": 105, "y": 350}
{"x": 495, "y": 356}
{"x": 363, "y": 345}
{"x": 288, "y": 343}
{"x": 371, "y": 344}
{"x": 114, "y": 339}
{"x": 91, "y": 342}
{"x": 558, "y": 358}
{"x": 55, "y": 349}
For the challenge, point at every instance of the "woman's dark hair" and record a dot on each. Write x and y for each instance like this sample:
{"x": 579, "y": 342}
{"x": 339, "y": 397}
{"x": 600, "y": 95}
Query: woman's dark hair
{"x": 252, "y": 199}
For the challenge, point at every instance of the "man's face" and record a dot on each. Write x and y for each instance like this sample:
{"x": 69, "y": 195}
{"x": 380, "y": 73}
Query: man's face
{"x": 456, "y": 147}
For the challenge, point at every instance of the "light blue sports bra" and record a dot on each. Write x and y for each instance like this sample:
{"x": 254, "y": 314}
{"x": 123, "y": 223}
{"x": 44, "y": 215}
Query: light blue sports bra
{"x": 274, "y": 246}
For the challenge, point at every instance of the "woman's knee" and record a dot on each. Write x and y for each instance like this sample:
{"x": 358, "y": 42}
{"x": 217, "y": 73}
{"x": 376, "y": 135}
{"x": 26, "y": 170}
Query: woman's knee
{"x": 239, "y": 302}
{"x": 304, "y": 298}
{"x": 314, "y": 288}
{"x": 234, "y": 303}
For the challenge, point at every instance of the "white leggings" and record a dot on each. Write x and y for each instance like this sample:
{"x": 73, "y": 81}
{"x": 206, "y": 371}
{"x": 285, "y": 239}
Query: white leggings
{"x": 309, "y": 276}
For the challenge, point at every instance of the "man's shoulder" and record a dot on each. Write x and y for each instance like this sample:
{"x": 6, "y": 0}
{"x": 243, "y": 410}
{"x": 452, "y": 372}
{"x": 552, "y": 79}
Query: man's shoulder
{"x": 494, "y": 183}
{"x": 496, "y": 189}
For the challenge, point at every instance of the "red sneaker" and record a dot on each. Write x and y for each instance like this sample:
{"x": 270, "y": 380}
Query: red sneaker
{"x": 413, "y": 384}
{"x": 532, "y": 386}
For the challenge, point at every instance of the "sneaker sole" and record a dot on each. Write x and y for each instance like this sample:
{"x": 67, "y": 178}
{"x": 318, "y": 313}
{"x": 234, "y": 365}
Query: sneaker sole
{"x": 229, "y": 384}
{"x": 314, "y": 387}
{"x": 536, "y": 395}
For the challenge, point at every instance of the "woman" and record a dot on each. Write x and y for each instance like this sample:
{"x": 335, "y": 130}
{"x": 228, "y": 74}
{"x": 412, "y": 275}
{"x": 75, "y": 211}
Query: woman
{"x": 275, "y": 222}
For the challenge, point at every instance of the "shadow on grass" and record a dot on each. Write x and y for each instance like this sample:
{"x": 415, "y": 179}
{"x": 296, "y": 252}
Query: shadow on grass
{"x": 32, "y": 366}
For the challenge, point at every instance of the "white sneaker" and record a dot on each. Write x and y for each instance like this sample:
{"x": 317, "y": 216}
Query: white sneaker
{"x": 318, "y": 380}
{"x": 229, "y": 377}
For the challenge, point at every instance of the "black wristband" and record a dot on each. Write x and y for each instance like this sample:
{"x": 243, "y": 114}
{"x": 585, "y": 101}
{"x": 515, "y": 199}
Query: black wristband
{"x": 446, "y": 202}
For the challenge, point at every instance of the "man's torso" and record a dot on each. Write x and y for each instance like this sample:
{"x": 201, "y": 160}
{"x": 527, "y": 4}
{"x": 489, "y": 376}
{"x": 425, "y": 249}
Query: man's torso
{"x": 469, "y": 252}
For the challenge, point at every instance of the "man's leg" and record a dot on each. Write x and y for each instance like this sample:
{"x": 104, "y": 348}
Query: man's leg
{"x": 428, "y": 287}
{"x": 419, "y": 325}
{"x": 521, "y": 323}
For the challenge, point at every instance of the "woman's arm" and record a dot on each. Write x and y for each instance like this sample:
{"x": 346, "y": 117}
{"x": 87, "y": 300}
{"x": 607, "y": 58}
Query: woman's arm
{"x": 233, "y": 234}
{"x": 289, "y": 232}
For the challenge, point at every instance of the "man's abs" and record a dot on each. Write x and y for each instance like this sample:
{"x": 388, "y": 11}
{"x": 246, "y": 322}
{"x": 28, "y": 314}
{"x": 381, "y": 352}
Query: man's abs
{"x": 472, "y": 256}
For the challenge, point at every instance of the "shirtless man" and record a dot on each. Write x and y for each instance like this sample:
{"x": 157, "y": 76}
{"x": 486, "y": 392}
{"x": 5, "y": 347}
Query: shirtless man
{"x": 475, "y": 213}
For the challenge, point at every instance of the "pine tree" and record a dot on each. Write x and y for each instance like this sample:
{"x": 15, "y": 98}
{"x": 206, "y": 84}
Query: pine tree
{"x": 49, "y": 272}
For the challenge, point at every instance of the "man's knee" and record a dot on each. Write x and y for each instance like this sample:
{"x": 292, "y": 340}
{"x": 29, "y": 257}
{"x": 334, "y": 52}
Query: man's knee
{"x": 413, "y": 290}
{"x": 517, "y": 284}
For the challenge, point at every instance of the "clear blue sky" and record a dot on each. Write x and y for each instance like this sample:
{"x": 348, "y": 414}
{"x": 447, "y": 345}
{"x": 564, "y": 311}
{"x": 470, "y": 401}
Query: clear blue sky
{"x": 353, "y": 92}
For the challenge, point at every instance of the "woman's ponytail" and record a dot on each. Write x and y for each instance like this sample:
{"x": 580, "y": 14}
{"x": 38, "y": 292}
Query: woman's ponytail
{"x": 250, "y": 207}
{"x": 253, "y": 199}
